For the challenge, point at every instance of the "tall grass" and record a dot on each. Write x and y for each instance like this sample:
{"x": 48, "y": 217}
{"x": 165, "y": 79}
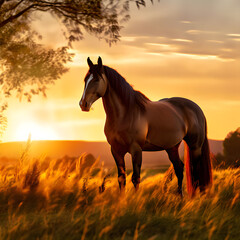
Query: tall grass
{"x": 72, "y": 198}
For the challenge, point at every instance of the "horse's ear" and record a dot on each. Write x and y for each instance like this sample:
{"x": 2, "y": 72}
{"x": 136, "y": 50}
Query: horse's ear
{"x": 100, "y": 62}
{"x": 90, "y": 64}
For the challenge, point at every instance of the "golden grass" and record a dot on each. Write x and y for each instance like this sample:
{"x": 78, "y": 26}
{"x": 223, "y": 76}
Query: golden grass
{"x": 72, "y": 198}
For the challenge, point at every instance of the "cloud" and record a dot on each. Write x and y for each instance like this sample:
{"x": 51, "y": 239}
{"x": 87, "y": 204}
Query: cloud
{"x": 182, "y": 40}
{"x": 195, "y": 31}
{"x": 215, "y": 41}
{"x": 186, "y": 22}
{"x": 192, "y": 27}
{"x": 233, "y": 35}
{"x": 163, "y": 47}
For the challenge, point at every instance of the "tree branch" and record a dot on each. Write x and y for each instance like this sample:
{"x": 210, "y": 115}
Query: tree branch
{"x": 15, "y": 6}
{"x": 13, "y": 17}
{"x": 1, "y": 3}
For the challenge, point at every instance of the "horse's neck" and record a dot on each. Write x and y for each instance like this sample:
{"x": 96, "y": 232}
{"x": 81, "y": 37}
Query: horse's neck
{"x": 114, "y": 109}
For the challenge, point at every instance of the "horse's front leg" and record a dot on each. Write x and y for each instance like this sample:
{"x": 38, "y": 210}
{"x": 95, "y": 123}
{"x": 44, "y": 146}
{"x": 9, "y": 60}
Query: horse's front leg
{"x": 136, "y": 153}
{"x": 119, "y": 159}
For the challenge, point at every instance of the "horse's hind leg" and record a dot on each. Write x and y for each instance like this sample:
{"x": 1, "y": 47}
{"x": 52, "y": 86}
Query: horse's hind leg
{"x": 177, "y": 164}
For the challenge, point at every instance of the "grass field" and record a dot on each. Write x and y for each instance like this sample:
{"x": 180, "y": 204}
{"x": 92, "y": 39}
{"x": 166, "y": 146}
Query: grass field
{"x": 74, "y": 199}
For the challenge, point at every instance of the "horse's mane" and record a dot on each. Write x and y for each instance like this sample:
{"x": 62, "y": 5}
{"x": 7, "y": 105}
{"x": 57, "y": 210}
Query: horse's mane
{"x": 128, "y": 95}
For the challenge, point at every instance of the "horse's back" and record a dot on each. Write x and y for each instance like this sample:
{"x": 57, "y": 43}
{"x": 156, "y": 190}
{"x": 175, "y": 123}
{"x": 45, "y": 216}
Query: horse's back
{"x": 189, "y": 109}
{"x": 183, "y": 104}
{"x": 171, "y": 119}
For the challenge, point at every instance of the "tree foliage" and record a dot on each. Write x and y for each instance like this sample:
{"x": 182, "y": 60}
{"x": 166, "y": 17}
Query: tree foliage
{"x": 231, "y": 151}
{"x": 27, "y": 67}
{"x": 100, "y": 17}
{"x": 231, "y": 147}
{"x": 24, "y": 62}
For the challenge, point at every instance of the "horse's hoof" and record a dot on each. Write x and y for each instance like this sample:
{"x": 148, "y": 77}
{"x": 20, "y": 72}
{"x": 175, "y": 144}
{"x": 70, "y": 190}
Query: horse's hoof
{"x": 136, "y": 187}
{"x": 180, "y": 193}
{"x": 136, "y": 182}
{"x": 122, "y": 193}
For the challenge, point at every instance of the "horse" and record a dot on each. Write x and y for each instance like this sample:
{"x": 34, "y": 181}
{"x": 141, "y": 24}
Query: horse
{"x": 134, "y": 124}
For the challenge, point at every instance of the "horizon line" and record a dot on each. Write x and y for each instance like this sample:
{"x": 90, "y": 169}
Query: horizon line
{"x": 70, "y": 140}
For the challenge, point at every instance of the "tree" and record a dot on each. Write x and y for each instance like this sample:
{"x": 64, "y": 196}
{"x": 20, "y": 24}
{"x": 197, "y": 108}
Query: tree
{"x": 231, "y": 148}
{"x": 231, "y": 151}
{"x": 27, "y": 67}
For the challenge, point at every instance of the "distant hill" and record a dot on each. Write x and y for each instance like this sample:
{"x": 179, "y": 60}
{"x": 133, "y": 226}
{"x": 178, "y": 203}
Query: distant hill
{"x": 10, "y": 151}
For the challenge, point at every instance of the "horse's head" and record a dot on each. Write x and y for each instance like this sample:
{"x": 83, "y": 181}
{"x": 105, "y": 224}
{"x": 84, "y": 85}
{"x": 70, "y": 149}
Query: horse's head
{"x": 95, "y": 85}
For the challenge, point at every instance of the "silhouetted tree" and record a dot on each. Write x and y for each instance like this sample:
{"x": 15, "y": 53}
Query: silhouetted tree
{"x": 231, "y": 148}
{"x": 231, "y": 151}
{"x": 27, "y": 67}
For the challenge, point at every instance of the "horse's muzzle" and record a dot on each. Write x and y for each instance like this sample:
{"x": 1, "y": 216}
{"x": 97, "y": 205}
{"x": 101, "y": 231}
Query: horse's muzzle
{"x": 84, "y": 106}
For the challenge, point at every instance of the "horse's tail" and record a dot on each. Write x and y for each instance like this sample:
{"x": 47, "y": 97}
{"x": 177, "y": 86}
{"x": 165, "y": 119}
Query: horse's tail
{"x": 205, "y": 165}
{"x": 188, "y": 166}
{"x": 198, "y": 169}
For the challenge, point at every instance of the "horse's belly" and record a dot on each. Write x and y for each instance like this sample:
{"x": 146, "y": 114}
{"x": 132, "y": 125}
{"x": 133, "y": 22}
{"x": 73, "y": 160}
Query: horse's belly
{"x": 164, "y": 139}
{"x": 149, "y": 147}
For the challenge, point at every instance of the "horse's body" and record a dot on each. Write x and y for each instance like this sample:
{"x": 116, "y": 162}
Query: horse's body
{"x": 135, "y": 124}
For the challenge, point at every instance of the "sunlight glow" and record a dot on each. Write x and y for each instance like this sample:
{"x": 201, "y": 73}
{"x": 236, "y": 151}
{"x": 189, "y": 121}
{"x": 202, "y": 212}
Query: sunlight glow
{"x": 37, "y": 132}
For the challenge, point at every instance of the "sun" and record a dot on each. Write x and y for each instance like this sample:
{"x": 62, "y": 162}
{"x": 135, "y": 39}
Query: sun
{"x": 37, "y": 132}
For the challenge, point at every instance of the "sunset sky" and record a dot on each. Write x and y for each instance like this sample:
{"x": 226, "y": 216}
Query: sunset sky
{"x": 172, "y": 48}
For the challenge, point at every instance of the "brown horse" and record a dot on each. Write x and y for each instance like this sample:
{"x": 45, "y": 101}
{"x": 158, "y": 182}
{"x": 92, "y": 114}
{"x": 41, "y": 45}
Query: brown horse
{"x": 135, "y": 124}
